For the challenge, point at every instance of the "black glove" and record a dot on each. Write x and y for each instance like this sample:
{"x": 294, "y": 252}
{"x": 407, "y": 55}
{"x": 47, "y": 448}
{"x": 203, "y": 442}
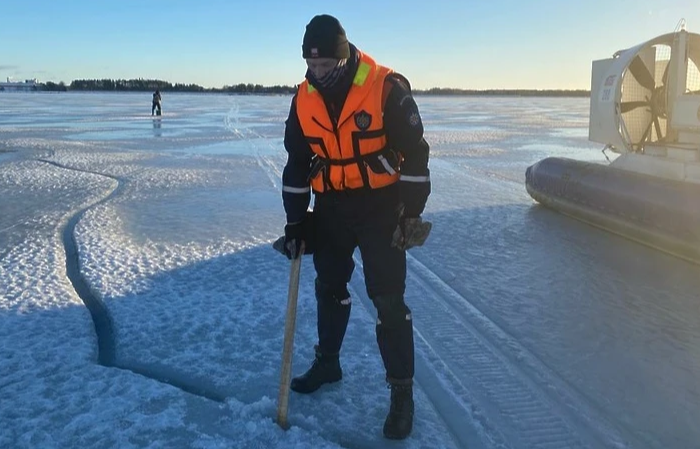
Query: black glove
{"x": 290, "y": 243}
{"x": 293, "y": 236}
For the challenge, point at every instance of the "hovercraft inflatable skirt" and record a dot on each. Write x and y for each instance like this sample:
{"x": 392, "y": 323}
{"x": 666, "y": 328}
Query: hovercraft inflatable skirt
{"x": 661, "y": 213}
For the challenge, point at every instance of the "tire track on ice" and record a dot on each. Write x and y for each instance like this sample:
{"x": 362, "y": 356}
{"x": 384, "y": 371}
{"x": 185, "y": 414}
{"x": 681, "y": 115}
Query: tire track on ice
{"x": 545, "y": 409}
{"x": 471, "y": 368}
{"x": 232, "y": 122}
{"x": 442, "y": 390}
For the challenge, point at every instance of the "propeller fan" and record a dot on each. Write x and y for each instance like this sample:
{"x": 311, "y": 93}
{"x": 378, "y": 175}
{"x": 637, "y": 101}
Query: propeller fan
{"x": 654, "y": 101}
{"x": 644, "y": 99}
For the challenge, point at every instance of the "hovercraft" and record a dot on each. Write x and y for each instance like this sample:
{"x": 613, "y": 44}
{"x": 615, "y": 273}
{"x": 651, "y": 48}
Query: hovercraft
{"x": 645, "y": 106}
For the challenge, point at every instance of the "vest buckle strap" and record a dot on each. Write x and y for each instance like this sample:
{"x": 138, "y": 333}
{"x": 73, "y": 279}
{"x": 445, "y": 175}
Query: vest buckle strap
{"x": 317, "y": 164}
{"x": 384, "y": 161}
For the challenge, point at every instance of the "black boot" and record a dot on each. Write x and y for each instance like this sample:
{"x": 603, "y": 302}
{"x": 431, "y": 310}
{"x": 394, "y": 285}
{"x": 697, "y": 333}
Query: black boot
{"x": 399, "y": 421}
{"x": 324, "y": 370}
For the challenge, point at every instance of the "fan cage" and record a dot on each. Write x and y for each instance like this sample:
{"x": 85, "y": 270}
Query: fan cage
{"x": 637, "y": 125}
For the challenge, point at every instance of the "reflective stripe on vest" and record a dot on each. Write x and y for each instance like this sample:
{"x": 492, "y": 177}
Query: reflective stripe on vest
{"x": 352, "y": 154}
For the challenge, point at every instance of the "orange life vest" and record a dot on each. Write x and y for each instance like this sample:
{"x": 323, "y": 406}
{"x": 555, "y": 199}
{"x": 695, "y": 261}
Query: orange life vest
{"x": 353, "y": 153}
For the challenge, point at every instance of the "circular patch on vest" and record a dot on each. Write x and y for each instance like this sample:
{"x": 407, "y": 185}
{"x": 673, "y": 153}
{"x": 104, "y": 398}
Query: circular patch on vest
{"x": 363, "y": 120}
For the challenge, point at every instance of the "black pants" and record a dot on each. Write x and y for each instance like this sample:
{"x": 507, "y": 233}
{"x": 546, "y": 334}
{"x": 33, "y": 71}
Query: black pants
{"x": 345, "y": 221}
{"x": 155, "y": 106}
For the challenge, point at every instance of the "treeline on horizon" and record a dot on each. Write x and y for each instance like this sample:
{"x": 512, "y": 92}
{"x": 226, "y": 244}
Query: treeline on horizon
{"x": 148, "y": 85}
{"x": 142, "y": 85}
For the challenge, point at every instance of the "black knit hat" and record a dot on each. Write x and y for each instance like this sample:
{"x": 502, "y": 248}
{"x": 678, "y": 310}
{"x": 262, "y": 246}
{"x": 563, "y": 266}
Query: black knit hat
{"x": 325, "y": 38}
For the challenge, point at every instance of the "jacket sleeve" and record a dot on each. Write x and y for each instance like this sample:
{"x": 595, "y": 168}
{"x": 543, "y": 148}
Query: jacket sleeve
{"x": 296, "y": 188}
{"x": 404, "y": 131}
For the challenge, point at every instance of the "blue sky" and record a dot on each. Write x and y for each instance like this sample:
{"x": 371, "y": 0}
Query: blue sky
{"x": 437, "y": 43}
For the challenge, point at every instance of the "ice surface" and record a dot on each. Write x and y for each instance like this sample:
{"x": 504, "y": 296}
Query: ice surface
{"x": 532, "y": 330}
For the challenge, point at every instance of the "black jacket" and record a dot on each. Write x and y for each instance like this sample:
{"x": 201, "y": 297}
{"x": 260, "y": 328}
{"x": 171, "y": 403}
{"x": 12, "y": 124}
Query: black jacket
{"x": 404, "y": 132}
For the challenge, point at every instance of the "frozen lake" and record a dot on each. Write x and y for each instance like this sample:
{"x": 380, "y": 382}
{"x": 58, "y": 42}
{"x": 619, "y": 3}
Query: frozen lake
{"x": 532, "y": 330}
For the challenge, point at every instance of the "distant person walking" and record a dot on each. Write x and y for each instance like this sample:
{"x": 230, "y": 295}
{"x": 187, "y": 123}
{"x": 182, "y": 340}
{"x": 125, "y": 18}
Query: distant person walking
{"x": 156, "y": 106}
{"x": 354, "y": 137}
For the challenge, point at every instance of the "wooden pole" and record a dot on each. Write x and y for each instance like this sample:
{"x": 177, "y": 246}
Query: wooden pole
{"x": 289, "y": 324}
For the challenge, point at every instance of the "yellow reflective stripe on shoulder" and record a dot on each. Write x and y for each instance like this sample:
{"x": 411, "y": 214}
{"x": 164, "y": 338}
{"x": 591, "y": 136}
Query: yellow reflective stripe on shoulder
{"x": 310, "y": 88}
{"x": 361, "y": 75}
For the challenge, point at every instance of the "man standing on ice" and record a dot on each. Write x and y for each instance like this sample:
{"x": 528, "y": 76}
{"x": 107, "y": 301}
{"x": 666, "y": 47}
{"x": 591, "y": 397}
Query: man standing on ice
{"x": 156, "y": 107}
{"x": 355, "y": 137}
